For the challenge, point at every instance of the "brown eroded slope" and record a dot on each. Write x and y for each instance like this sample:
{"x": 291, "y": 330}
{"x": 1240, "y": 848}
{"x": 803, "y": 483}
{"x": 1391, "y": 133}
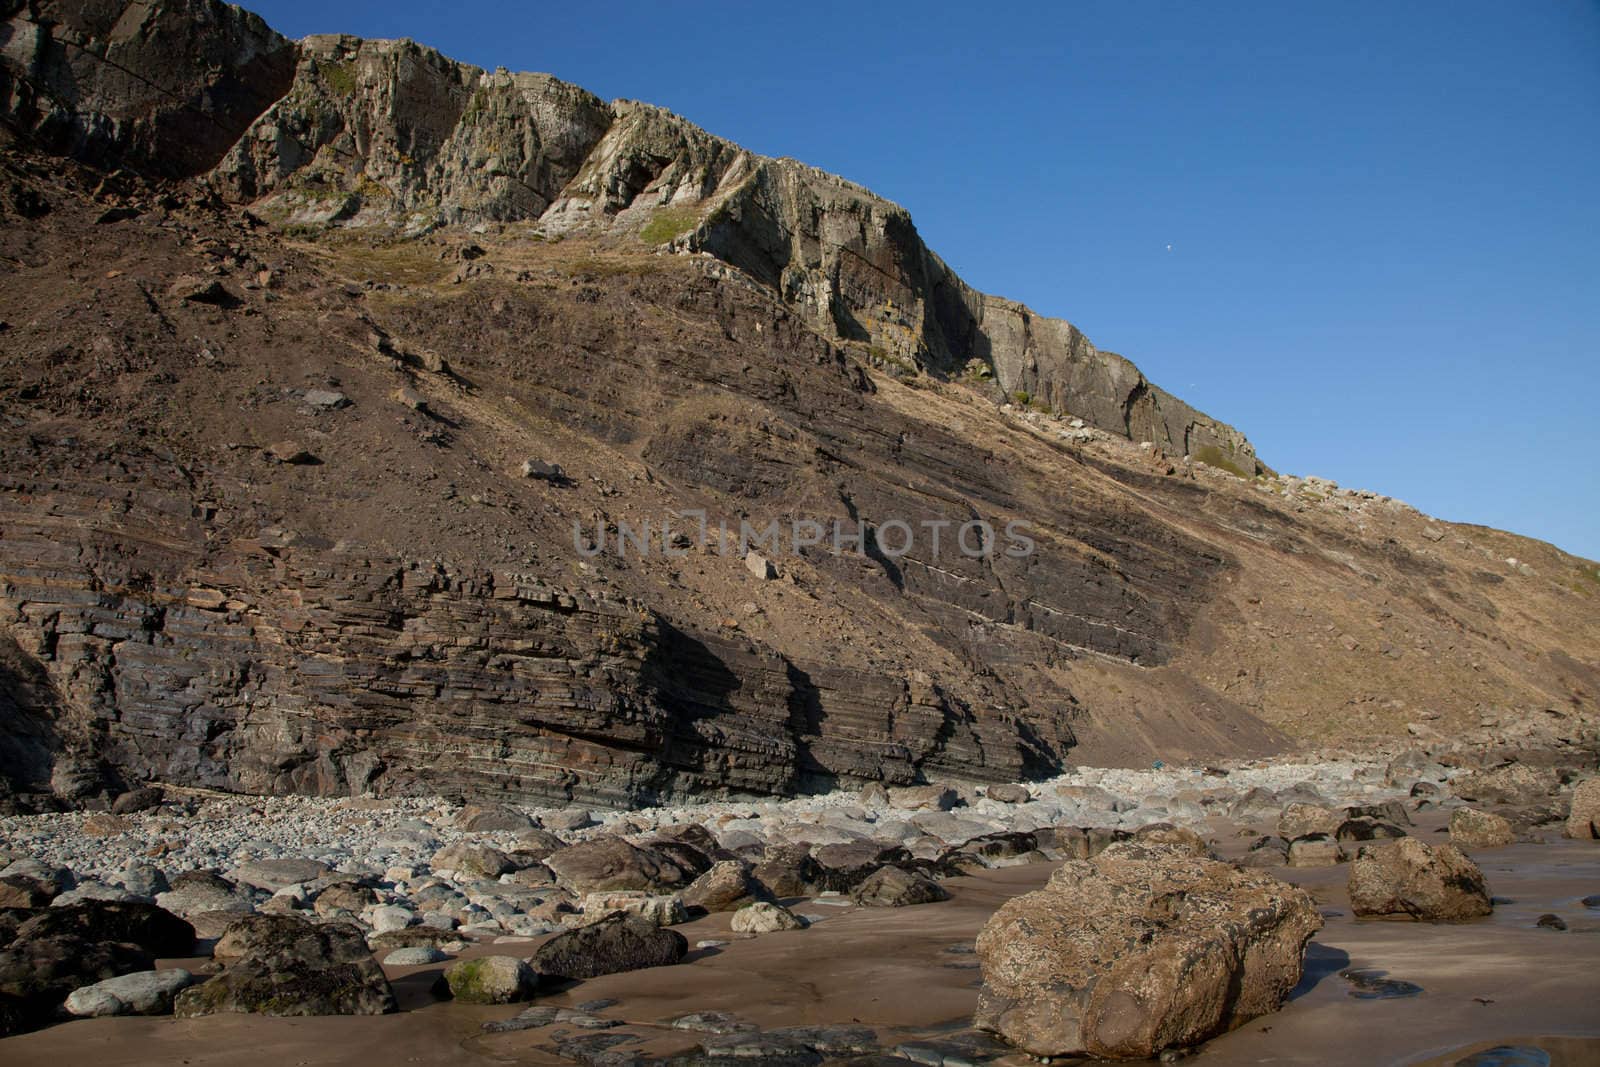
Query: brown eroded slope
{"x": 265, "y": 525}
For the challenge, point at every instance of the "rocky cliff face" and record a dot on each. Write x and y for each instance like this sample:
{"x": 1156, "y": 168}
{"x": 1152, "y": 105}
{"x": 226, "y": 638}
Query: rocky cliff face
{"x": 163, "y": 88}
{"x": 389, "y": 133}
{"x": 264, "y": 524}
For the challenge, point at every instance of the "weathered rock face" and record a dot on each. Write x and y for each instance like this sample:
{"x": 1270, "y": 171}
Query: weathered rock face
{"x": 1181, "y": 949}
{"x": 1411, "y": 880}
{"x": 162, "y": 87}
{"x": 392, "y": 131}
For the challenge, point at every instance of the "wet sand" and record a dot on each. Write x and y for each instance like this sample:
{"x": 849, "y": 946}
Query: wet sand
{"x": 1499, "y": 981}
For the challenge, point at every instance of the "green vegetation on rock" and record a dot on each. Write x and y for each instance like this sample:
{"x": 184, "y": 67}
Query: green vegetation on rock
{"x": 669, "y": 222}
{"x": 1212, "y": 456}
{"x": 340, "y": 77}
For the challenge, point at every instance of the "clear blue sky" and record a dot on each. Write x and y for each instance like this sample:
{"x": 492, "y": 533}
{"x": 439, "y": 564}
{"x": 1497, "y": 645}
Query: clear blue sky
{"x": 1384, "y": 217}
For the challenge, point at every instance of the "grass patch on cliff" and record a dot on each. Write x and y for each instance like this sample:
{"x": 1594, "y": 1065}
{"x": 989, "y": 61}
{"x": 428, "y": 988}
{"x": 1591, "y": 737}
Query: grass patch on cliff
{"x": 669, "y": 222}
{"x": 1212, "y": 456}
{"x": 340, "y": 77}
{"x": 596, "y": 267}
{"x": 1586, "y": 588}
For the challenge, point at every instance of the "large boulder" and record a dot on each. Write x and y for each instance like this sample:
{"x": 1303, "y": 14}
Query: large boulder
{"x": 1004, "y": 849}
{"x": 483, "y": 819}
{"x": 140, "y": 993}
{"x": 1411, "y": 880}
{"x": 275, "y": 874}
{"x": 660, "y": 909}
{"x": 137, "y": 800}
{"x": 477, "y": 861}
{"x": 196, "y": 893}
{"x": 616, "y": 943}
{"x": 727, "y": 886}
{"x": 1315, "y": 850}
{"x": 612, "y": 863}
{"x": 1298, "y": 820}
{"x": 490, "y": 980}
{"x": 26, "y": 891}
{"x": 1514, "y": 784}
{"x": 1365, "y": 829}
{"x": 788, "y": 870}
{"x": 892, "y": 887}
{"x": 153, "y": 929}
{"x": 1086, "y": 842}
{"x": 37, "y": 974}
{"x": 845, "y": 865}
{"x": 1256, "y": 805}
{"x": 1140, "y": 949}
{"x": 352, "y": 897}
{"x": 1009, "y": 793}
{"x": 1389, "y": 811}
{"x": 285, "y": 965}
{"x": 1165, "y": 833}
{"x": 765, "y": 918}
{"x": 1470, "y": 828}
{"x": 924, "y": 798}
{"x": 1583, "y": 821}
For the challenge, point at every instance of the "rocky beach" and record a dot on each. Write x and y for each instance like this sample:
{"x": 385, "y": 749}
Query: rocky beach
{"x": 866, "y": 927}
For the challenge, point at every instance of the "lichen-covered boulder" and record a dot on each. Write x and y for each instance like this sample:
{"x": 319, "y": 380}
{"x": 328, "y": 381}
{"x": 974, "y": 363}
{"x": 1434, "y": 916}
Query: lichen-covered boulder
{"x": 285, "y": 965}
{"x": 1140, "y": 949}
{"x": 1411, "y": 880}
{"x": 490, "y": 980}
{"x": 1470, "y": 828}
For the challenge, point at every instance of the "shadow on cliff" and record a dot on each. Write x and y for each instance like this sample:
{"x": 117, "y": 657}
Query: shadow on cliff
{"x": 28, "y": 739}
{"x": 715, "y": 691}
